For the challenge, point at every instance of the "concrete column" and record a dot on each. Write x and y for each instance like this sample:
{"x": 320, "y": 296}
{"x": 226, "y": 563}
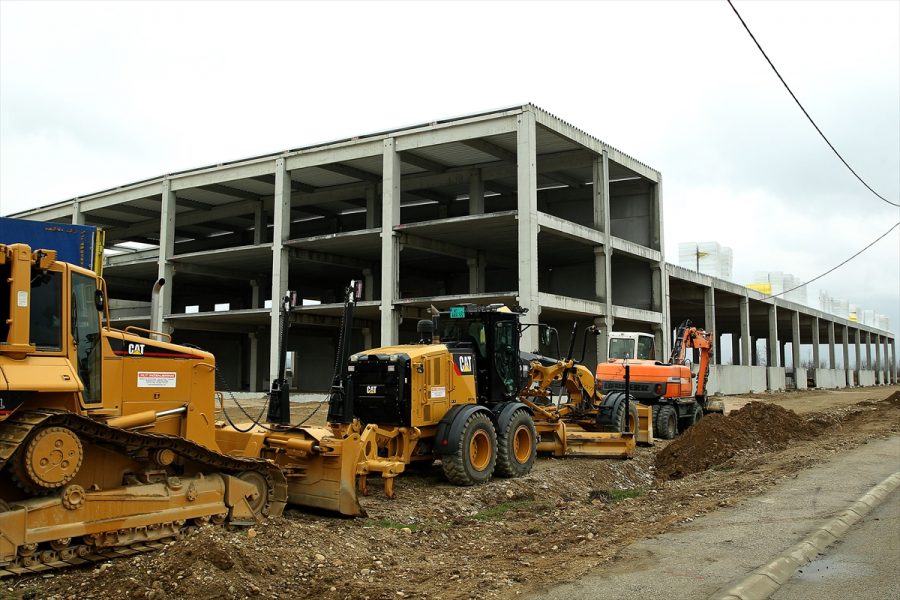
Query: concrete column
{"x": 526, "y": 158}
{"x": 846, "y": 339}
{"x": 259, "y": 225}
{"x": 390, "y": 245}
{"x": 887, "y": 361}
{"x": 879, "y": 364}
{"x": 254, "y": 294}
{"x": 281, "y": 232}
{"x": 795, "y": 341}
{"x": 736, "y": 349}
{"x": 368, "y": 286}
{"x": 832, "y": 355}
{"x": 161, "y": 304}
{"x": 602, "y": 254}
{"x": 77, "y": 215}
{"x": 894, "y": 360}
{"x": 772, "y": 342}
{"x": 476, "y": 193}
{"x": 815, "y": 342}
{"x": 869, "y": 364}
{"x": 858, "y": 363}
{"x": 477, "y": 273}
{"x": 371, "y": 207}
{"x": 754, "y": 351}
{"x": 657, "y": 241}
{"x": 603, "y": 340}
{"x": 709, "y": 319}
{"x": 748, "y": 349}
{"x": 254, "y": 361}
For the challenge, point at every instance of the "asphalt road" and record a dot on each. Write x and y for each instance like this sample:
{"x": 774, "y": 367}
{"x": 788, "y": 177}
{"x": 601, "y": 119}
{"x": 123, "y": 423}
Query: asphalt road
{"x": 865, "y": 564}
{"x": 696, "y": 559}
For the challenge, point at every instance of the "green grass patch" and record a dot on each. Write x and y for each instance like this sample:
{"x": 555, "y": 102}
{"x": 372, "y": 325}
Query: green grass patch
{"x": 496, "y": 512}
{"x": 616, "y": 495}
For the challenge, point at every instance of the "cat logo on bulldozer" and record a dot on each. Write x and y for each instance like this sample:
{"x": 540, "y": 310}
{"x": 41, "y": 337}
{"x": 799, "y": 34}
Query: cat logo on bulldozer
{"x": 464, "y": 361}
{"x": 371, "y": 389}
{"x": 136, "y": 349}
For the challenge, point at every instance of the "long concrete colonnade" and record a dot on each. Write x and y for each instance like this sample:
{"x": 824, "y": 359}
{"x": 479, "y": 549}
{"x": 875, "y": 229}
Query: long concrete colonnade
{"x": 513, "y": 206}
{"x": 820, "y": 344}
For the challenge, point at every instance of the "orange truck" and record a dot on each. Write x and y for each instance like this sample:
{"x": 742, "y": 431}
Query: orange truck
{"x": 676, "y": 392}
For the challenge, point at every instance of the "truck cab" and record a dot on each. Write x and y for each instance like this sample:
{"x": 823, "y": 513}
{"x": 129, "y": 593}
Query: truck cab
{"x": 634, "y": 346}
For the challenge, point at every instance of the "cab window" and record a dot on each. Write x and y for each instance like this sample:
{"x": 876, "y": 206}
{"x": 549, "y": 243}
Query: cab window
{"x": 621, "y": 348}
{"x": 86, "y": 333}
{"x": 645, "y": 348}
{"x": 46, "y": 311}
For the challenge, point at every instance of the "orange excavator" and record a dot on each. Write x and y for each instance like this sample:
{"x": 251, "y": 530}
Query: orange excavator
{"x": 109, "y": 443}
{"x": 676, "y": 393}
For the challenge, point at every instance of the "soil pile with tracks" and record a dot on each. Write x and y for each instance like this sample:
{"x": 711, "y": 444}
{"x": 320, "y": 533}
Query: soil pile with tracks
{"x": 716, "y": 439}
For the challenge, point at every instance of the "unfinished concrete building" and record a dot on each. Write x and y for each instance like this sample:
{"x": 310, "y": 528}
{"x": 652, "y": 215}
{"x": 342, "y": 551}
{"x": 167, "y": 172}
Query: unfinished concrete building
{"x": 512, "y": 206}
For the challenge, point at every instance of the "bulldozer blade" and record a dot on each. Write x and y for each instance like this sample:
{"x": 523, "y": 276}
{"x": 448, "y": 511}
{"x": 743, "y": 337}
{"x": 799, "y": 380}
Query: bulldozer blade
{"x": 329, "y": 479}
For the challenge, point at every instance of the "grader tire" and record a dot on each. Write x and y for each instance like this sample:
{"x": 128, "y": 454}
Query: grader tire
{"x": 517, "y": 446}
{"x": 618, "y": 424}
{"x": 665, "y": 426}
{"x": 476, "y": 455}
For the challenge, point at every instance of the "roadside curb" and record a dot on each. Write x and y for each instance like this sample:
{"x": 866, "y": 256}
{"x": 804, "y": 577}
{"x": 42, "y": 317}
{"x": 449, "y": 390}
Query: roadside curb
{"x": 767, "y": 579}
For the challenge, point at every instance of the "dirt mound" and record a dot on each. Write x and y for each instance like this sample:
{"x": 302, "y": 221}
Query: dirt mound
{"x": 758, "y": 426}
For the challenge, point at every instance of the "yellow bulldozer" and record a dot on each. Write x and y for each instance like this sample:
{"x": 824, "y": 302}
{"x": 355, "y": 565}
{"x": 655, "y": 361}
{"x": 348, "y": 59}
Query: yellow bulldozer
{"x": 109, "y": 441}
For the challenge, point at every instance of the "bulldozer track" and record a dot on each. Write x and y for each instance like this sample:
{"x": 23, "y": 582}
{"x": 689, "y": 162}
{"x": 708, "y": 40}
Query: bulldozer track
{"x": 15, "y": 430}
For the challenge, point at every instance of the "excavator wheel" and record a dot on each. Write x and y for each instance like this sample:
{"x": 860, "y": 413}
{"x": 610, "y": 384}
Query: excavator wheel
{"x": 665, "y": 424}
{"x": 48, "y": 460}
{"x": 611, "y": 417}
{"x": 517, "y": 446}
{"x": 695, "y": 415}
{"x": 474, "y": 460}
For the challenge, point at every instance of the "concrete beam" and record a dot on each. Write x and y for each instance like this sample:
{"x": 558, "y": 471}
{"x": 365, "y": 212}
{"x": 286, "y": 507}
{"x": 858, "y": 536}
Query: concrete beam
{"x": 436, "y": 246}
{"x": 348, "y": 171}
{"x": 233, "y": 192}
{"x": 492, "y": 149}
{"x": 215, "y": 272}
{"x": 415, "y": 160}
{"x": 634, "y": 250}
{"x": 296, "y": 186}
{"x": 637, "y": 314}
{"x": 575, "y": 306}
{"x": 569, "y": 229}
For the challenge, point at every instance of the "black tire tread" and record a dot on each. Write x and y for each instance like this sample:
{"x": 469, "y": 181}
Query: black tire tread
{"x": 507, "y": 465}
{"x": 454, "y": 465}
{"x": 661, "y": 416}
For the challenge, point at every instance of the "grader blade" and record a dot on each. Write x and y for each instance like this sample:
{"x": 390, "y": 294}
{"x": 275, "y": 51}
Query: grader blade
{"x": 327, "y": 480}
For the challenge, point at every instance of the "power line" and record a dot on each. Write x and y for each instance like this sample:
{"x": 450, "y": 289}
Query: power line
{"x": 875, "y": 241}
{"x": 830, "y": 145}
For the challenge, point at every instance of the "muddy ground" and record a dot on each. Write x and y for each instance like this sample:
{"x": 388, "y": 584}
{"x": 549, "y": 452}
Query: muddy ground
{"x": 502, "y": 539}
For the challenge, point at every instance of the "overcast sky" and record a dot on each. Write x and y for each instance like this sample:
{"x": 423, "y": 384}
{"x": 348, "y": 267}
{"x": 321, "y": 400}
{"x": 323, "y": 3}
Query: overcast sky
{"x": 94, "y": 95}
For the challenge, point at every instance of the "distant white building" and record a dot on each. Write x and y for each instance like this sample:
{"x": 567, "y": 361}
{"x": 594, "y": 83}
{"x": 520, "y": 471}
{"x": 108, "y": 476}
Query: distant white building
{"x": 709, "y": 258}
{"x": 778, "y": 283}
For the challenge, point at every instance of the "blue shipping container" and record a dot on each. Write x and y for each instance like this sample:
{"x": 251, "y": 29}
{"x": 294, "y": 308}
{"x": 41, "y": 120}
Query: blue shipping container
{"x": 73, "y": 243}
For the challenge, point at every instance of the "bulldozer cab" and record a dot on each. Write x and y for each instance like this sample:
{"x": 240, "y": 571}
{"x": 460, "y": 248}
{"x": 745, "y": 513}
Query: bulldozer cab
{"x": 493, "y": 333}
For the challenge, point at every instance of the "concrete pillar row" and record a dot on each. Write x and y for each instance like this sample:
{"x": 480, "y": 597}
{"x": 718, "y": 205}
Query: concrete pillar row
{"x": 390, "y": 244}
{"x": 161, "y": 303}
{"x": 281, "y": 233}
{"x": 527, "y": 215}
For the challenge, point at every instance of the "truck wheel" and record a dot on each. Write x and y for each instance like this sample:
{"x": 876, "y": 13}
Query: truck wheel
{"x": 615, "y": 423}
{"x": 665, "y": 426}
{"x": 698, "y": 413}
{"x": 475, "y": 458}
{"x": 517, "y": 446}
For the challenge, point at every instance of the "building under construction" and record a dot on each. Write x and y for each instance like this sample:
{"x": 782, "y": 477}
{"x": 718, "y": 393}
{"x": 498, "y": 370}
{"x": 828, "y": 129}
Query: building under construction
{"x": 513, "y": 206}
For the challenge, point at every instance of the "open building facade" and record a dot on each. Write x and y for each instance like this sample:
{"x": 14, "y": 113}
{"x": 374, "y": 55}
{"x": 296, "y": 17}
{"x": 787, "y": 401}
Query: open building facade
{"x": 513, "y": 206}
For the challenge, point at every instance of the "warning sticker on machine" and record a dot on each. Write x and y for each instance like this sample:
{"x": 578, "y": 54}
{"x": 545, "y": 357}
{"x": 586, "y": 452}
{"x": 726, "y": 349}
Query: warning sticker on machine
{"x": 439, "y": 392}
{"x": 155, "y": 379}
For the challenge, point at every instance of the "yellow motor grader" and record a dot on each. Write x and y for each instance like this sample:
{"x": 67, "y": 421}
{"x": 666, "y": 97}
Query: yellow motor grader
{"x": 109, "y": 441}
{"x": 467, "y": 396}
